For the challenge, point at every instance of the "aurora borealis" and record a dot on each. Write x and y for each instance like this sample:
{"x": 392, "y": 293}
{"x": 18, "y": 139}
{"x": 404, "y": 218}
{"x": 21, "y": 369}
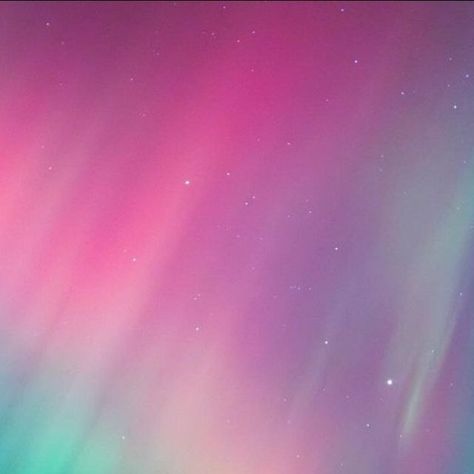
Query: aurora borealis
{"x": 236, "y": 237}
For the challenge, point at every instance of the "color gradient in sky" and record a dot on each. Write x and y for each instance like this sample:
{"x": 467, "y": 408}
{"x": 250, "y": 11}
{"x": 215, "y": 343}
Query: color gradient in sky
{"x": 236, "y": 238}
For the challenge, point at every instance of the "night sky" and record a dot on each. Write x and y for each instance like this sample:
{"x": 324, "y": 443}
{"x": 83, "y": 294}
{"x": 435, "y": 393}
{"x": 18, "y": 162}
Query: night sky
{"x": 237, "y": 238}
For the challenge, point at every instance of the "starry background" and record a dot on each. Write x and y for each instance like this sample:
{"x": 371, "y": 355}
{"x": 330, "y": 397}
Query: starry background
{"x": 236, "y": 238}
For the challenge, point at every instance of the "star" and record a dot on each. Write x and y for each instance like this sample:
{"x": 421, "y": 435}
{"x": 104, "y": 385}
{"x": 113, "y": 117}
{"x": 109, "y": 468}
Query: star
{"x": 187, "y": 182}
{"x": 389, "y": 382}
